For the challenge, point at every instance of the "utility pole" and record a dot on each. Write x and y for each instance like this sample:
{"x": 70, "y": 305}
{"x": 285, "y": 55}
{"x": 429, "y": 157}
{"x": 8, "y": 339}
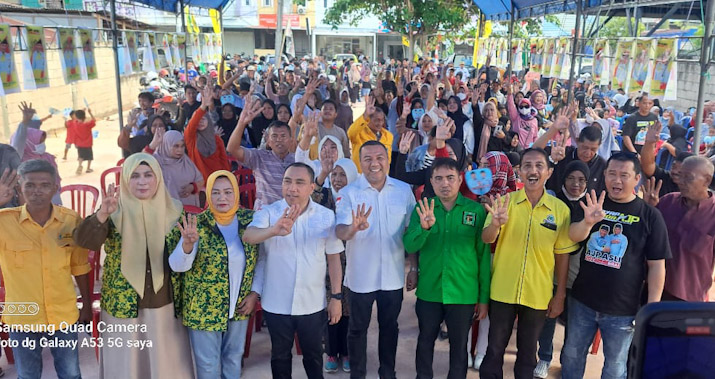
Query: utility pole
{"x": 279, "y": 33}
{"x": 705, "y": 54}
{"x": 115, "y": 50}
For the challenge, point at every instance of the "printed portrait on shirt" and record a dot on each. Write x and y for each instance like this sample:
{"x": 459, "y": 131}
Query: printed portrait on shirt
{"x": 607, "y": 245}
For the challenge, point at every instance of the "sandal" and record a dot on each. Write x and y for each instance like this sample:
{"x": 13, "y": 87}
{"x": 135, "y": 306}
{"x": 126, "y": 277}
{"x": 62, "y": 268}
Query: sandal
{"x": 79, "y": 170}
{"x": 89, "y": 170}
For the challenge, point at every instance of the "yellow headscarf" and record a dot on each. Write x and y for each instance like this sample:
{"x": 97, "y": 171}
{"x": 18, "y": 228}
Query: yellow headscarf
{"x": 223, "y": 218}
{"x": 143, "y": 224}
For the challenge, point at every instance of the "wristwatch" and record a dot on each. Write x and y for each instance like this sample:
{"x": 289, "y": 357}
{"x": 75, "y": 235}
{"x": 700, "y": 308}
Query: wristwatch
{"x": 336, "y": 296}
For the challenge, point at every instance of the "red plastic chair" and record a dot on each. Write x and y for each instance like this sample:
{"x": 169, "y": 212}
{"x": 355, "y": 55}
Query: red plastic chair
{"x": 254, "y": 323}
{"x": 596, "y": 343}
{"x": 117, "y": 171}
{"x": 418, "y": 191}
{"x": 244, "y": 176}
{"x": 120, "y": 162}
{"x": 192, "y": 209}
{"x": 3, "y": 335}
{"x": 248, "y": 195}
{"x": 78, "y": 195}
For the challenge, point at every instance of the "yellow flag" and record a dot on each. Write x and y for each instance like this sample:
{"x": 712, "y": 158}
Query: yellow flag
{"x": 405, "y": 41}
{"x": 487, "y": 29}
{"x": 215, "y": 20}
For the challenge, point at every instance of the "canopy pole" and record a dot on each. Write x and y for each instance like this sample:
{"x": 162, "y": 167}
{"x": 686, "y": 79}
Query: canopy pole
{"x": 223, "y": 39}
{"x": 279, "y": 34}
{"x": 577, "y": 32}
{"x": 186, "y": 42}
{"x": 581, "y": 51}
{"x": 508, "y": 48}
{"x": 705, "y": 53}
{"x": 115, "y": 50}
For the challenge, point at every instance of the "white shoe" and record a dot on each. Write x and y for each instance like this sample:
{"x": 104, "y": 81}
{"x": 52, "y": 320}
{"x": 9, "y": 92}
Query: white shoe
{"x": 542, "y": 369}
{"x": 478, "y": 361}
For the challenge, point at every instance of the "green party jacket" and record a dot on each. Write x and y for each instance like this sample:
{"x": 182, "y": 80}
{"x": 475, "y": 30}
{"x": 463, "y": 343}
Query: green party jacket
{"x": 205, "y": 287}
{"x": 454, "y": 262}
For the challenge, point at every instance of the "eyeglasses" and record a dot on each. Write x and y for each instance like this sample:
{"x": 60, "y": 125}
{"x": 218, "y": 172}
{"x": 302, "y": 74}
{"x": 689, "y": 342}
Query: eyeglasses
{"x": 524, "y": 107}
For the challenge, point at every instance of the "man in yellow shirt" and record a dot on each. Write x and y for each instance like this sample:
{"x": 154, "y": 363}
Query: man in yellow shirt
{"x": 369, "y": 127}
{"x": 533, "y": 231}
{"x": 38, "y": 259}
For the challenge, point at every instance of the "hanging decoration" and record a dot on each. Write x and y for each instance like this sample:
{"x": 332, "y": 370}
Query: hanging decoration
{"x": 69, "y": 57}
{"x": 85, "y": 37}
{"x": 35, "y": 37}
{"x": 622, "y": 63}
{"x": 642, "y": 68}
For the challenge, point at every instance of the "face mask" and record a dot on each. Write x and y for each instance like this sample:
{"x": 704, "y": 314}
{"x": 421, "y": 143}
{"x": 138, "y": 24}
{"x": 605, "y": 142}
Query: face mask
{"x": 525, "y": 111}
{"x": 226, "y": 99}
{"x": 589, "y": 119}
{"x": 417, "y": 113}
{"x": 461, "y": 96}
{"x": 549, "y": 108}
{"x": 40, "y": 149}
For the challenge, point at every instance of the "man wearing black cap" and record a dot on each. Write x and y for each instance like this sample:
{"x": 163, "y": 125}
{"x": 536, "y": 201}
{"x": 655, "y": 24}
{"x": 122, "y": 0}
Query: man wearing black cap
{"x": 670, "y": 178}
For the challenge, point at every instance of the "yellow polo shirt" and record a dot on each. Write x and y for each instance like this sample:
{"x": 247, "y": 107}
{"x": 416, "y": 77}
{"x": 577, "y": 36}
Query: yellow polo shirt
{"x": 523, "y": 267}
{"x": 38, "y": 263}
{"x": 359, "y": 133}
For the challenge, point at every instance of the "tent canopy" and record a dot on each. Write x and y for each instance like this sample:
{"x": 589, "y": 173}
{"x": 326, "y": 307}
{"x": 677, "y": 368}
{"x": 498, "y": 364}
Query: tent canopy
{"x": 173, "y": 5}
{"x": 500, "y": 10}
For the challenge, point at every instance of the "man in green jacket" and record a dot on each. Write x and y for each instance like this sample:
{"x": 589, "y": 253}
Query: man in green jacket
{"x": 454, "y": 267}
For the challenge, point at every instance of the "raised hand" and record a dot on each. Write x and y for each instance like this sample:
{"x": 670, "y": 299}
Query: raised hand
{"x": 558, "y": 151}
{"x": 284, "y": 225}
{"x": 27, "y": 111}
{"x": 653, "y": 133}
{"x": 360, "y": 216}
{"x": 406, "y": 142}
{"x": 310, "y": 126}
{"x": 207, "y": 96}
{"x": 651, "y": 191}
{"x": 110, "y": 203}
{"x": 499, "y": 209}
{"x": 406, "y": 109}
{"x": 425, "y": 209}
{"x": 157, "y": 139}
{"x": 370, "y": 106}
{"x": 593, "y": 207}
{"x": 443, "y": 132}
{"x": 252, "y": 109}
{"x": 8, "y": 182}
{"x": 189, "y": 232}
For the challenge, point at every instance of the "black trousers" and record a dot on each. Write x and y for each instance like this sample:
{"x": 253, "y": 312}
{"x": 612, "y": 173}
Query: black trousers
{"x": 501, "y": 323}
{"x": 310, "y": 329}
{"x": 458, "y": 318}
{"x": 338, "y": 338}
{"x": 389, "y": 304}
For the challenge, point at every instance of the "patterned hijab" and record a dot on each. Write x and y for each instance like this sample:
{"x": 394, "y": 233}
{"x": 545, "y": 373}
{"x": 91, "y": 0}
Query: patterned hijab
{"x": 503, "y": 177}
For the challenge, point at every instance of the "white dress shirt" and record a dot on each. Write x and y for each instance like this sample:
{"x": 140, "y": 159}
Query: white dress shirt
{"x": 182, "y": 262}
{"x": 290, "y": 272}
{"x": 376, "y": 256}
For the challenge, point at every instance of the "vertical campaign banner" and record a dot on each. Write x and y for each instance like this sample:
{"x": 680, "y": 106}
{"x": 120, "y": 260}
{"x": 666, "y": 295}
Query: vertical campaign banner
{"x": 559, "y": 55}
{"x": 180, "y": 41}
{"x": 664, "y": 62}
{"x": 166, "y": 47}
{"x": 601, "y": 67}
{"x": 8, "y": 74}
{"x": 481, "y": 52}
{"x": 69, "y": 56}
{"x": 565, "y": 43}
{"x": 85, "y": 36}
{"x": 643, "y": 53}
{"x": 154, "y": 50}
{"x": 549, "y": 46}
{"x": 131, "y": 43}
{"x": 206, "y": 48}
{"x": 218, "y": 46}
{"x": 35, "y": 36}
{"x": 195, "y": 49}
{"x": 536, "y": 48}
{"x": 148, "y": 64}
{"x": 622, "y": 63}
{"x": 516, "y": 54}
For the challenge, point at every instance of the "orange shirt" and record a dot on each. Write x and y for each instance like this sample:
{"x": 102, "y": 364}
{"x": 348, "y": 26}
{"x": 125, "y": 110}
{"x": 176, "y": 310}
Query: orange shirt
{"x": 207, "y": 165}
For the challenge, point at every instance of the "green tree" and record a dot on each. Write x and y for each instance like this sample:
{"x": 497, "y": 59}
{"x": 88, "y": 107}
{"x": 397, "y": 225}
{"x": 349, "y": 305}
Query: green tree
{"x": 414, "y": 19}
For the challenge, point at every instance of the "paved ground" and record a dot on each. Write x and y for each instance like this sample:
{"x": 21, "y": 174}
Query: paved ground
{"x": 258, "y": 364}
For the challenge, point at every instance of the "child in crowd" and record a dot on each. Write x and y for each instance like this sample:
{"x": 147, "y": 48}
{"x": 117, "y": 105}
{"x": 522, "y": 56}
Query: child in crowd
{"x": 69, "y": 139}
{"x": 83, "y": 138}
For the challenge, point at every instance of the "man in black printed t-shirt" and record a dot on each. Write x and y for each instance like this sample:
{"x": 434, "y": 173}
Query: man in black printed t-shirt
{"x": 625, "y": 236}
{"x": 636, "y": 125}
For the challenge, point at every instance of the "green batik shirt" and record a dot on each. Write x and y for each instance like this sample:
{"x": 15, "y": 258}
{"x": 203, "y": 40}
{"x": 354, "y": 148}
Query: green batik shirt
{"x": 455, "y": 264}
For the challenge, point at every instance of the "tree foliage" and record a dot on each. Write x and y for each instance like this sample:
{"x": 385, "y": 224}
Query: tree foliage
{"x": 415, "y": 19}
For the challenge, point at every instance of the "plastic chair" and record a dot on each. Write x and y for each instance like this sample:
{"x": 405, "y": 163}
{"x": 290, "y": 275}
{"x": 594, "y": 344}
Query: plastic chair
{"x": 248, "y": 195}
{"x": 192, "y": 209}
{"x": 596, "y": 343}
{"x": 120, "y": 162}
{"x": 254, "y": 323}
{"x": 418, "y": 191}
{"x": 244, "y": 176}
{"x": 78, "y": 195}
{"x": 117, "y": 171}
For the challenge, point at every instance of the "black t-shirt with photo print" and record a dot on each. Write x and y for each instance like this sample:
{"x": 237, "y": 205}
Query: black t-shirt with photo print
{"x": 636, "y": 127}
{"x": 613, "y": 264}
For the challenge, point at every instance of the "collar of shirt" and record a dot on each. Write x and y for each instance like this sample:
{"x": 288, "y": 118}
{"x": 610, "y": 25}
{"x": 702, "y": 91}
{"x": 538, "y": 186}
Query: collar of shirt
{"x": 363, "y": 184}
{"x": 546, "y": 201}
{"x": 709, "y": 201}
{"x": 461, "y": 200}
{"x": 25, "y": 215}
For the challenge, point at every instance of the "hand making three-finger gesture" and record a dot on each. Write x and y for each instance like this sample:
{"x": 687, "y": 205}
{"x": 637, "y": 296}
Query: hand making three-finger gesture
{"x": 110, "y": 203}
{"x": 284, "y": 225}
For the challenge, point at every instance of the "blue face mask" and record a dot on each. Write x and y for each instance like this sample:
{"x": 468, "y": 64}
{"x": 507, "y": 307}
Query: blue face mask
{"x": 226, "y": 99}
{"x": 417, "y": 113}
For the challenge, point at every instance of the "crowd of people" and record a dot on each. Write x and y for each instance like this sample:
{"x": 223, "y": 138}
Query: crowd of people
{"x": 596, "y": 207}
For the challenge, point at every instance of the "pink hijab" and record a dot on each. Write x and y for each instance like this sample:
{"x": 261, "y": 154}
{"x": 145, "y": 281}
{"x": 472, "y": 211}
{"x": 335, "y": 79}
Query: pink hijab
{"x": 34, "y": 138}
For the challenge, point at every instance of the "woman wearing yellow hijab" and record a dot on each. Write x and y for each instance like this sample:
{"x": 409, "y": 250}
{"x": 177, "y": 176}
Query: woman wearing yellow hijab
{"x": 138, "y": 289}
{"x": 217, "y": 269}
